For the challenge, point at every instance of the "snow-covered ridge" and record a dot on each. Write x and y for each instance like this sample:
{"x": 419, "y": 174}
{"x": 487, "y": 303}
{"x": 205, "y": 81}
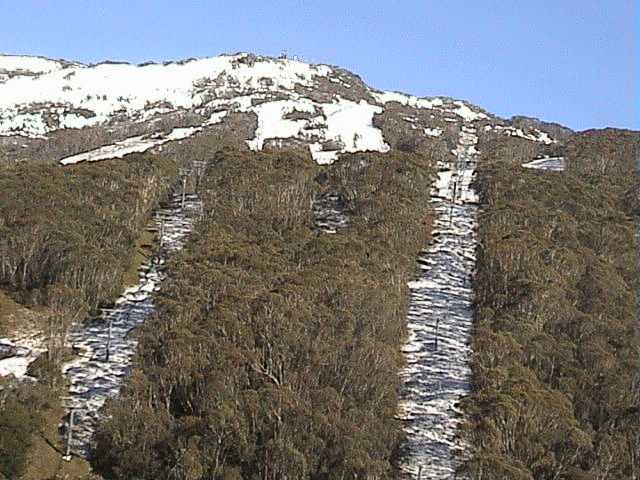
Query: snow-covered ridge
{"x": 324, "y": 107}
{"x": 103, "y": 90}
{"x": 28, "y": 64}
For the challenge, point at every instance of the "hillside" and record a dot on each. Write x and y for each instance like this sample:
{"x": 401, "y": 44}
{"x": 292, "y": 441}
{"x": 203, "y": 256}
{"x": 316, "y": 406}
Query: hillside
{"x": 253, "y": 267}
{"x": 263, "y": 102}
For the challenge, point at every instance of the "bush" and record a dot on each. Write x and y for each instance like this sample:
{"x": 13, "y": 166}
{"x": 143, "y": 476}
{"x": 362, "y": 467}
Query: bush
{"x": 21, "y": 417}
{"x": 556, "y": 344}
{"x": 276, "y": 349}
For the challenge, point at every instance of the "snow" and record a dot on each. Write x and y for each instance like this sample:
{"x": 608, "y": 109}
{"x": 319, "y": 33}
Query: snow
{"x": 438, "y": 376}
{"x": 109, "y": 88}
{"x": 466, "y": 113}
{"x": 14, "y": 63}
{"x": 93, "y": 378}
{"x": 216, "y": 117}
{"x": 343, "y": 121}
{"x": 77, "y": 96}
{"x": 407, "y": 100}
{"x": 534, "y": 135}
{"x": 130, "y": 145}
{"x": 554, "y": 164}
{"x": 323, "y": 157}
{"x": 27, "y": 347}
{"x": 544, "y": 137}
{"x": 220, "y": 84}
{"x": 433, "y": 132}
{"x": 330, "y": 212}
{"x": 352, "y": 123}
{"x": 271, "y": 122}
{"x": 459, "y": 108}
{"x": 16, "y": 366}
{"x": 70, "y": 120}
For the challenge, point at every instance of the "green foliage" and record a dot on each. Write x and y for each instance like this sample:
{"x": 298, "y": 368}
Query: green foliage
{"x": 276, "y": 350}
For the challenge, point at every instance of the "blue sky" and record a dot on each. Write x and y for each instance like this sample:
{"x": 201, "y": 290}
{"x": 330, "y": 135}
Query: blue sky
{"x": 570, "y": 61}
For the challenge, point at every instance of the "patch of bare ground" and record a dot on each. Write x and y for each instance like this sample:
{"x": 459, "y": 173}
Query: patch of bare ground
{"x": 46, "y": 456}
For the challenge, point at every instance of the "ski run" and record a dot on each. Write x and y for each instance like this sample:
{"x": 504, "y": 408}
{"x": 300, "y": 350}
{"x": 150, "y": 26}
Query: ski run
{"x": 105, "y": 344}
{"x": 439, "y": 324}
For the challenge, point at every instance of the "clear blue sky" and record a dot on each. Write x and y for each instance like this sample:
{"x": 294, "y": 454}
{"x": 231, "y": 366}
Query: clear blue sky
{"x": 570, "y": 61}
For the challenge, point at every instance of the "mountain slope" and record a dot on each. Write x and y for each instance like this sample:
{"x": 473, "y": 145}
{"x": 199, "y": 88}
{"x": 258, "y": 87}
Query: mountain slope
{"x": 279, "y": 102}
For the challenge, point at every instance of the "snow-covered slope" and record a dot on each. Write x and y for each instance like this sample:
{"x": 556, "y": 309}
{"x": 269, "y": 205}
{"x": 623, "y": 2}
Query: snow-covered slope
{"x": 19, "y": 65}
{"x": 105, "y": 344}
{"x": 439, "y": 323}
{"x": 325, "y": 107}
{"x": 554, "y": 164}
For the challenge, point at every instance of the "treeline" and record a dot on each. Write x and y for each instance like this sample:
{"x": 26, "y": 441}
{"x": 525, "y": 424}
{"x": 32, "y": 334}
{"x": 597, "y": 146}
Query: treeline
{"x": 604, "y": 152}
{"x": 556, "y": 367}
{"x": 276, "y": 349}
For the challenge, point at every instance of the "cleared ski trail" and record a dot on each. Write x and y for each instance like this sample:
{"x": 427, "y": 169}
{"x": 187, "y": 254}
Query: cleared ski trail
{"x": 439, "y": 324}
{"x": 330, "y": 213}
{"x": 93, "y": 376}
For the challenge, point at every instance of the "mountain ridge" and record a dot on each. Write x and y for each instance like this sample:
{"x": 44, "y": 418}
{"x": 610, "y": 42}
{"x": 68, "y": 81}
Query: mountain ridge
{"x": 283, "y": 102}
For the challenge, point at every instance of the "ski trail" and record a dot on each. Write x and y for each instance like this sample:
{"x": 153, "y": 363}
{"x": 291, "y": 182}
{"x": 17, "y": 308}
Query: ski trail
{"x": 330, "y": 212}
{"x": 105, "y": 345}
{"x": 439, "y": 325}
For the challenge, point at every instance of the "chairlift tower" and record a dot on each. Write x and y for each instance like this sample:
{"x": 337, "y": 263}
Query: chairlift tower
{"x": 67, "y": 455}
{"x": 199, "y": 168}
{"x": 184, "y": 173}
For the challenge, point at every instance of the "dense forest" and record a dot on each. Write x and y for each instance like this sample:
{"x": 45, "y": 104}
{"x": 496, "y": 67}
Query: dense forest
{"x": 22, "y": 415}
{"x": 67, "y": 235}
{"x": 276, "y": 349}
{"x": 67, "y": 239}
{"x": 557, "y": 352}
{"x": 75, "y": 227}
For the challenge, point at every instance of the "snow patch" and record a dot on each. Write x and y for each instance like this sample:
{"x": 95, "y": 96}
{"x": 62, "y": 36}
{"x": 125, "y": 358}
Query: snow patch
{"x": 25, "y": 349}
{"x": 407, "y": 100}
{"x": 272, "y": 124}
{"x": 433, "y": 132}
{"x": 466, "y": 113}
{"x": 534, "y": 135}
{"x": 352, "y": 123}
{"x": 553, "y": 164}
{"x": 130, "y": 145}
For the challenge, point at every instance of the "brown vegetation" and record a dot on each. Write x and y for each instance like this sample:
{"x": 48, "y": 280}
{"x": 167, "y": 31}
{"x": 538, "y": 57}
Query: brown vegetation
{"x": 67, "y": 238}
{"x": 557, "y": 351}
{"x": 275, "y": 352}
{"x": 75, "y": 226}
